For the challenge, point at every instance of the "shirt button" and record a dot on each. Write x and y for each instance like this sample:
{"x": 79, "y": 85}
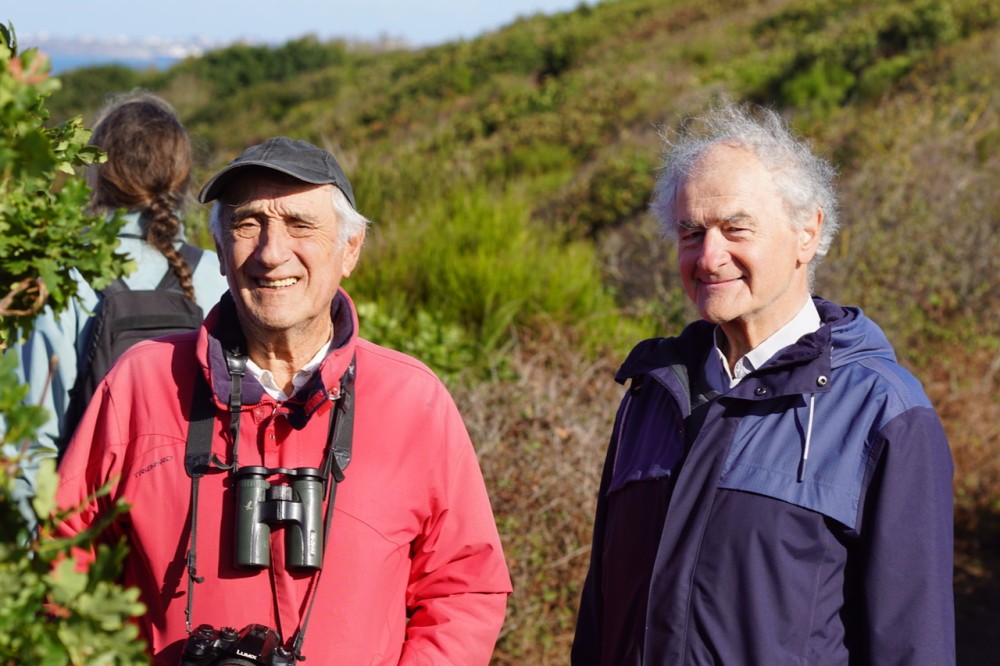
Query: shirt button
{"x": 760, "y": 390}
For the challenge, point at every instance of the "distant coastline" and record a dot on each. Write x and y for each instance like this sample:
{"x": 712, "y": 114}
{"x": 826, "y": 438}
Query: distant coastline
{"x": 62, "y": 63}
{"x": 69, "y": 53}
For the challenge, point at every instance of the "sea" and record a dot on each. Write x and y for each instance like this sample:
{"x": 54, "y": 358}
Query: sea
{"x": 62, "y": 63}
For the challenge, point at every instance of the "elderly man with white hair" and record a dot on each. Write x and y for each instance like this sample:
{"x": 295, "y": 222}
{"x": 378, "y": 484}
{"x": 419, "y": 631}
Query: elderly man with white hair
{"x": 778, "y": 489}
{"x": 294, "y": 489}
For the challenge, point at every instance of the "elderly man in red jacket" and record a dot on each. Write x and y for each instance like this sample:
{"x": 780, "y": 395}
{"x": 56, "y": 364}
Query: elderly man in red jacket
{"x": 295, "y": 490}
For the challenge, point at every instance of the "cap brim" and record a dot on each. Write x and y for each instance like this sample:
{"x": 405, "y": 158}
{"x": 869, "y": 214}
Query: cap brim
{"x": 217, "y": 184}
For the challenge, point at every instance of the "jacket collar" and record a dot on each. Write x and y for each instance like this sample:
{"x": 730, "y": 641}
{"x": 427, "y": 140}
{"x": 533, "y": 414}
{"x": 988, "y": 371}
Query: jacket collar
{"x": 677, "y": 362}
{"x": 221, "y": 332}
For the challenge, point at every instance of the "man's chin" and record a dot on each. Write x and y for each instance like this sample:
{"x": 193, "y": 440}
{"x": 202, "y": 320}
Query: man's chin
{"x": 264, "y": 322}
{"x": 715, "y": 314}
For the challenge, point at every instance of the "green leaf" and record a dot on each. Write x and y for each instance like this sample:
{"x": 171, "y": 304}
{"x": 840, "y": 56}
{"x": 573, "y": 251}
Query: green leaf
{"x": 46, "y": 485}
{"x": 66, "y": 582}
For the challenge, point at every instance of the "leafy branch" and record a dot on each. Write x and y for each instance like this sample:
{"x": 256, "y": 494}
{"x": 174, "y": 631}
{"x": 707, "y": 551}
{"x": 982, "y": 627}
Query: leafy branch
{"x": 61, "y": 602}
{"x": 44, "y": 227}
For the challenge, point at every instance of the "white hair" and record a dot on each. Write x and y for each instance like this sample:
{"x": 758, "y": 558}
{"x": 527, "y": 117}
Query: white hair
{"x": 803, "y": 180}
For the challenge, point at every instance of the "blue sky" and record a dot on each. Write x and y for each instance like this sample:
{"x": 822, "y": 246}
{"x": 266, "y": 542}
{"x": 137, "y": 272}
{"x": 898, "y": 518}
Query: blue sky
{"x": 420, "y": 22}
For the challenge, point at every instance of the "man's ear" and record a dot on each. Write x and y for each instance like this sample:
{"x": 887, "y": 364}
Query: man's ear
{"x": 352, "y": 252}
{"x": 809, "y": 234}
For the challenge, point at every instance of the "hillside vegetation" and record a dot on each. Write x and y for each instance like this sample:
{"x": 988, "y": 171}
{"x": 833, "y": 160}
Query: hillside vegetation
{"x": 508, "y": 178}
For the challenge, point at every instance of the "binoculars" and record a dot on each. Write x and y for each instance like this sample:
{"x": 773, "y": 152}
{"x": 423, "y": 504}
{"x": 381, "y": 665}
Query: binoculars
{"x": 297, "y": 506}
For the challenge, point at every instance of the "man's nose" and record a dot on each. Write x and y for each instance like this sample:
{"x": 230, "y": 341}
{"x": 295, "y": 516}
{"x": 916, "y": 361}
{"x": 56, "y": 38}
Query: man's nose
{"x": 714, "y": 251}
{"x": 273, "y": 244}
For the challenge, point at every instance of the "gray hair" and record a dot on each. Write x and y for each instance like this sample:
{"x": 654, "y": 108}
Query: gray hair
{"x": 803, "y": 179}
{"x": 350, "y": 222}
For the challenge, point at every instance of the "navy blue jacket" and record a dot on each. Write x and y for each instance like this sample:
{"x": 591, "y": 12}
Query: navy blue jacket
{"x": 803, "y": 517}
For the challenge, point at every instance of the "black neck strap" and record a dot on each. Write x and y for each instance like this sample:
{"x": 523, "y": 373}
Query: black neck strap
{"x": 198, "y": 460}
{"x": 342, "y": 432}
{"x": 237, "y": 366}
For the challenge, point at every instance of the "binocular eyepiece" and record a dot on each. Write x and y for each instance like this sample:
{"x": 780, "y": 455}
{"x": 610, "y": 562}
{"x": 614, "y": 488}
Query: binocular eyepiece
{"x": 297, "y": 506}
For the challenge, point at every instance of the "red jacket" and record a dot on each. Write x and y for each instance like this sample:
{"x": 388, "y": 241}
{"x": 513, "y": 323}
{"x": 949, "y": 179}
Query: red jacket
{"x": 413, "y": 573}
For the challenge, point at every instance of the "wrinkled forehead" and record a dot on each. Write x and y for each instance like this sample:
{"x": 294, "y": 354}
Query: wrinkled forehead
{"x": 257, "y": 184}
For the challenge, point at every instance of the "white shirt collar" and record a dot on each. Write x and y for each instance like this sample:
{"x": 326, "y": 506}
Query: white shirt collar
{"x": 717, "y": 369}
{"x": 299, "y": 380}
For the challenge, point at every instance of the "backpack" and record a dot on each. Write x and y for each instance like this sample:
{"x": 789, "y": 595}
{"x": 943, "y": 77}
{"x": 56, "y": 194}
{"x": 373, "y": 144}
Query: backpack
{"x": 123, "y": 318}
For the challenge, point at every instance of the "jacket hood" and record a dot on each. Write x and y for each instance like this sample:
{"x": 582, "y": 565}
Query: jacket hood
{"x": 221, "y": 333}
{"x": 845, "y": 333}
{"x": 853, "y": 336}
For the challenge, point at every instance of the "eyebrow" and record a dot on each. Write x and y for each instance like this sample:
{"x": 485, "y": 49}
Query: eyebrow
{"x": 245, "y": 210}
{"x": 684, "y": 225}
{"x": 739, "y": 216}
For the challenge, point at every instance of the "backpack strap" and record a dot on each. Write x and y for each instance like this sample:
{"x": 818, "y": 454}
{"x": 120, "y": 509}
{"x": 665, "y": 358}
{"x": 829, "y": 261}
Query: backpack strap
{"x": 198, "y": 453}
{"x": 197, "y": 461}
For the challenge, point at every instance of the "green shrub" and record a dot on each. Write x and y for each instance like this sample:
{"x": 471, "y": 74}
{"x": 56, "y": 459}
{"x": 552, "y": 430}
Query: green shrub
{"x": 476, "y": 260}
{"x": 823, "y": 86}
{"x": 43, "y": 227}
{"x": 613, "y": 193}
{"x": 87, "y": 88}
{"x": 50, "y": 613}
{"x": 444, "y": 347}
{"x": 238, "y": 67}
{"x": 976, "y": 15}
{"x": 876, "y": 80}
{"x": 846, "y": 48}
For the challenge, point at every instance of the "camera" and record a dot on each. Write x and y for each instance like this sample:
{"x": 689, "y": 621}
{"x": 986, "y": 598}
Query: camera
{"x": 297, "y": 506}
{"x": 255, "y": 644}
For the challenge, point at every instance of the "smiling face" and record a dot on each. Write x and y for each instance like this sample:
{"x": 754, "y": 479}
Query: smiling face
{"x": 282, "y": 255}
{"x": 742, "y": 261}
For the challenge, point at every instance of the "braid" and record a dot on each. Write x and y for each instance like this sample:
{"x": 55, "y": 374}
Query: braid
{"x": 161, "y": 234}
{"x": 148, "y": 170}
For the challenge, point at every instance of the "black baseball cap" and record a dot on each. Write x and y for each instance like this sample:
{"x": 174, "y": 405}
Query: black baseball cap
{"x": 298, "y": 159}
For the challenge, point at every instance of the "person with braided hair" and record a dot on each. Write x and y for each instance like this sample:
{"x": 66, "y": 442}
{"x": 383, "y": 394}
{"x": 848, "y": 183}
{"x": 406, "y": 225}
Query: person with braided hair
{"x": 148, "y": 175}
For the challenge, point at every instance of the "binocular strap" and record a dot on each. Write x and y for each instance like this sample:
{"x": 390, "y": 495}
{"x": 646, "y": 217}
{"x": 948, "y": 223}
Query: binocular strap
{"x": 341, "y": 434}
{"x": 198, "y": 461}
